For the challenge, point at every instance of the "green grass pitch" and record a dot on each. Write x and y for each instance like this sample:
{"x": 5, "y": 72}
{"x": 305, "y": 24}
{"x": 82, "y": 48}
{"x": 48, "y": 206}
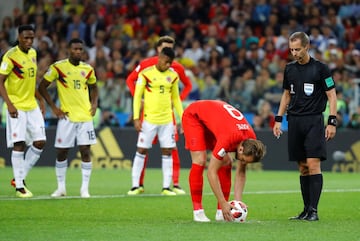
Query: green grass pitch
{"x": 272, "y": 197}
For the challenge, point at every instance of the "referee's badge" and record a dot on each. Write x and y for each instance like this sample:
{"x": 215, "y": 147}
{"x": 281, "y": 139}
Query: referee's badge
{"x": 308, "y": 89}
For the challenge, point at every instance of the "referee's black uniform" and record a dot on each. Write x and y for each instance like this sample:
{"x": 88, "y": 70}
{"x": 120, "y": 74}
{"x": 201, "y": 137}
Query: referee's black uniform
{"x": 307, "y": 84}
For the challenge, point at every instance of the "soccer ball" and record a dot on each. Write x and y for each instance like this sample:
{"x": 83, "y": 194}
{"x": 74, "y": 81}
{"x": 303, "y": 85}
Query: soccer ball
{"x": 240, "y": 211}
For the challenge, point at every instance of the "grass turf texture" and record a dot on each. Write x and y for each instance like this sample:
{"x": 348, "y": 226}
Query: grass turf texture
{"x": 272, "y": 196}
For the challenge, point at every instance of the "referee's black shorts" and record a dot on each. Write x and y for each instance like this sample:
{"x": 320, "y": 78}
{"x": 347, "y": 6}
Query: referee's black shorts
{"x": 306, "y": 137}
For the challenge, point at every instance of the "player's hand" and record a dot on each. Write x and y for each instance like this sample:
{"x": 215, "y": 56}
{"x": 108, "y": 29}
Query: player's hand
{"x": 13, "y": 112}
{"x": 59, "y": 113}
{"x": 226, "y": 210}
{"x": 277, "y": 130}
{"x": 330, "y": 132}
{"x": 137, "y": 125}
{"x": 93, "y": 110}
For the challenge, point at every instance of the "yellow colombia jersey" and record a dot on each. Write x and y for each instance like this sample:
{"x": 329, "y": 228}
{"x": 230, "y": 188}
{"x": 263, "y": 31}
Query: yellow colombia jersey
{"x": 20, "y": 83}
{"x": 161, "y": 92}
{"x": 72, "y": 85}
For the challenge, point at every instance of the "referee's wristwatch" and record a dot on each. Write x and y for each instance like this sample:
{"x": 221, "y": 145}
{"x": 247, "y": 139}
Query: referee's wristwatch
{"x": 332, "y": 120}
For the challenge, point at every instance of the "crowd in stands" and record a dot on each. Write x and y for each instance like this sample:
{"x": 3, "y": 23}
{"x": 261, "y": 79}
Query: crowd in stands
{"x": 233, "y": 50}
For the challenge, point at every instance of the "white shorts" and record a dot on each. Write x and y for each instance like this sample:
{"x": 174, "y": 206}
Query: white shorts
{"x": 29, "y": 126}
{"x": 67, "y": 132}
{"x": 165, "y": 134}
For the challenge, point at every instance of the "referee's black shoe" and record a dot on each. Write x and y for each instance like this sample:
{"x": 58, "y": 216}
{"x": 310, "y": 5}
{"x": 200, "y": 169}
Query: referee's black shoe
{"x": 301, "y": 216}
{"x": 312, "y": 215}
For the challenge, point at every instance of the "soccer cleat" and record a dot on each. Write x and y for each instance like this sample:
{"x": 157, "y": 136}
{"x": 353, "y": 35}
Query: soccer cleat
{"x": 58, "y": 193}
{"x": 312, "y": 216}
{"x": 301, "y": 216}
{"x": 134, "y": 191}
{"x": 84, "y": 194}
{"x": 219, "y": 215}
{"x": 199, "y": 216}
{"x": 22, "y": 193}
{"x": 141, "y": 189}
{"x": 178, "y": 190}
{"x": 167, "y": 192}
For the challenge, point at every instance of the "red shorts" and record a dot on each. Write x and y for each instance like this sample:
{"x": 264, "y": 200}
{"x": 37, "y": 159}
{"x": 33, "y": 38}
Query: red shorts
{"x": 197, "y": 136}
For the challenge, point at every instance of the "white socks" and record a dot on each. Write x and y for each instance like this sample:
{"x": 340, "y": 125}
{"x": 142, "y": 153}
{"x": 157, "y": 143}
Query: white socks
{"x": 137, "y": 167}
{"x": 167, "y": 169}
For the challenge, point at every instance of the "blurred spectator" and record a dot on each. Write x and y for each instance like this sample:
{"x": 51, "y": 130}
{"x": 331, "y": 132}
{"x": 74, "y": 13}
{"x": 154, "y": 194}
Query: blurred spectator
{"x": 98, "y": 47}
{"x": 195, "y": 52}
{"x": 240, "y": 98}
{"x": 76, "y": 25}
{"x": 354, "y": 122}
{"x": 211, "y": 89}
{"x": 265, "y": 117}
{"x": 93, "y": 25}
{"x": 274, "y": 93}
{"x": 9, "y": 30}
{"x": 225, "y": 85}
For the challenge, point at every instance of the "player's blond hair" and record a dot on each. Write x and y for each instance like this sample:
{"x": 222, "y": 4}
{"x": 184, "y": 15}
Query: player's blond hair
{"x": 165, "y": 39}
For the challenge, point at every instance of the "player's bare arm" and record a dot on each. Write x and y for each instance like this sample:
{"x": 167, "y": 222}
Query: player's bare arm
{"x": 44, "y": 84}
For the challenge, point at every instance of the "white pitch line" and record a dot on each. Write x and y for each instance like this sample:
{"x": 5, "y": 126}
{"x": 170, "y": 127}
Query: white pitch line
{"x": 159, "y": 195}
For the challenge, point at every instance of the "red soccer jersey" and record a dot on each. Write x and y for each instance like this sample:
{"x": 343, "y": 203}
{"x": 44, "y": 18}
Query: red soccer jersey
{"x": 179, "y": 69}
{"x": 215, "y": 125}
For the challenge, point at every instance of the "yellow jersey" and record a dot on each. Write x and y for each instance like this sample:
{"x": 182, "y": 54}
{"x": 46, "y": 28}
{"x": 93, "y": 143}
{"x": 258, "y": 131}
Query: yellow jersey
{"x": 72, "y": 85}
{"x": 20, "y": 83}
{"x": 161, "y": 92}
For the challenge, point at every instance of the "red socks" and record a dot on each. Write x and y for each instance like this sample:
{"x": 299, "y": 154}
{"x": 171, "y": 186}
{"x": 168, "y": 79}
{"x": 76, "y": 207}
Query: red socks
{"x": 196, "y": 183}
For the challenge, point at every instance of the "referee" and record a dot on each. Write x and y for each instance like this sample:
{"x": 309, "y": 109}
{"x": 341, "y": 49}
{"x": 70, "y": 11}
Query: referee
{"x": 307, "y": 86}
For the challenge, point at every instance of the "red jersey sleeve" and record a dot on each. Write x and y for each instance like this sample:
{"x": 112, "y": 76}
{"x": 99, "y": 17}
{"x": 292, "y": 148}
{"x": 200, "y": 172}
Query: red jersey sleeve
{"x": 180, "y": 70}
{"x": 132, "y": 77}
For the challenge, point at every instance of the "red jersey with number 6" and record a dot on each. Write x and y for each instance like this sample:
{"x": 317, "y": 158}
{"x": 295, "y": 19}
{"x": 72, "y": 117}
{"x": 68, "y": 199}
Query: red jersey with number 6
{"x": 215, "y": 125}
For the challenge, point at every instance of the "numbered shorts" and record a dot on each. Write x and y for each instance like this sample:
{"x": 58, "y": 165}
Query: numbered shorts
{"x": 165, "y": 134}
{"x": 29, "y": 126}
{"x": 68, "y": 132}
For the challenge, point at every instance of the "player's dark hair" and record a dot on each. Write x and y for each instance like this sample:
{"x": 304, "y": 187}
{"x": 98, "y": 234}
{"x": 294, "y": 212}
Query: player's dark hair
{"x": 165, "y": 39}
{"x": 27, "y": 27}
{"x": 254, "y": 148}
{"x": 304, "y": 38}
{"x": 168, "y": 52}
{"x": 75, "y": 41}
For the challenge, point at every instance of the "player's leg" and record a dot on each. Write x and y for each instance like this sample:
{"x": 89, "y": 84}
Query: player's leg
{"x": 61, "y": 165}
{"x": 86, "y": 168}
{"x": 85, "y": 138}
{"x": 315, "y": 151}
{"x": 196, "y": 183}
{"x": 17, "y": 143}
{"x": 315, "y": 187}
{"x": 176, "y": 172}
{"x": 142, "y": 176}
{"x": 195, "y": 142}
{"x": 176, "y": 164}
{"x": 145, "y": 138}
{"x": 36, "y": 129}
{"x": 64, "y": 140}
{"x": 167, "y": 144}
